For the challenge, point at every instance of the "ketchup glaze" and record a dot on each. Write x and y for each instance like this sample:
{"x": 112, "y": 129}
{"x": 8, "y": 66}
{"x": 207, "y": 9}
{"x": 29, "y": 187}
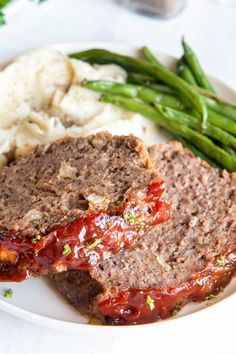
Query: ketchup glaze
{"x": 136, "y": 306}
{"x": 88, "y": 240}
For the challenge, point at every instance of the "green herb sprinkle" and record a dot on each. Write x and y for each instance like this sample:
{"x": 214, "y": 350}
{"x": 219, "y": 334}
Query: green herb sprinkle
{"x": 8, "y": 293}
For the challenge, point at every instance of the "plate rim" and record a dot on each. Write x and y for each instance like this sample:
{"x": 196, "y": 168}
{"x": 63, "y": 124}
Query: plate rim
{"x": 111, "y": 330}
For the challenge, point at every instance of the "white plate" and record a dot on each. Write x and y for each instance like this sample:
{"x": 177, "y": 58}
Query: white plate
{"x": 35, "y": 301}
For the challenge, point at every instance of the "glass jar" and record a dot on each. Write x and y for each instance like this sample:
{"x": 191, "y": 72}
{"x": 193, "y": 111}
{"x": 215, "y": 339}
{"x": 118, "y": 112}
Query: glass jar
{"x": 162, "y": 8}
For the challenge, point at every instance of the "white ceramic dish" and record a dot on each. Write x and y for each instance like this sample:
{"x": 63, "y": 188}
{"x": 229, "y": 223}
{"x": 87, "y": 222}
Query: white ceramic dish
{"x": 35, "y": 301}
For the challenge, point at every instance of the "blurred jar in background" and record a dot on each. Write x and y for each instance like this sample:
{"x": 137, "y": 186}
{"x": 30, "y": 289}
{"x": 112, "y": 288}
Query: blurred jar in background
{"x": 161, "y": 8}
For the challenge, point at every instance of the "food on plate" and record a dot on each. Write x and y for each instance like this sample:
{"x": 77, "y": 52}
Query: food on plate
{"x": 173, "y": 120}
{"x": 188, "y": 258}
{"x": 8, "y": 293}
{"x": 30, "y": 82}
{"x": 100, "y": 56}
{"x": 189, "y": 112}
{"x": 47, "y": 95}
{"x": 85, "y": 210}
{"x": 42, "y": 99}
{"x": 73, "y": 203}
{"x": 194, "y": 65}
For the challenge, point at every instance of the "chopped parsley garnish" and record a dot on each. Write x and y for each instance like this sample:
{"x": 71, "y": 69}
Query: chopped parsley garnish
{"x": 36, "y": 238}
{"x": 67, "y": 250}
{"x": 199, "y": 281}
{"x": 150, "y": 303}
{"x": 220, "y": 260}
{"x": 95, "y": 243}
{"x": 140, "y": 227}
{"x": 128, "y": 215}
{"x": 211, "y": 297}
{"x": 8, "y": 293}
{"x": 175, "y": 312}
{"x": 132, "y": 220}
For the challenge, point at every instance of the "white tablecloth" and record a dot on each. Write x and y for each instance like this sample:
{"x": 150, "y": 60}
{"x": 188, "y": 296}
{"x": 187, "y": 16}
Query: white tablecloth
{"x": 211, "y": 30}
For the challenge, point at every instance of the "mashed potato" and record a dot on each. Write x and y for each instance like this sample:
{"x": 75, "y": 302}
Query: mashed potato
{"x": 42, "y": 99}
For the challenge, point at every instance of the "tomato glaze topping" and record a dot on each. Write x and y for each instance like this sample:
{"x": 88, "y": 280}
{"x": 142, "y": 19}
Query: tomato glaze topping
{"x": 135, "y": 306}
{"x": 88, "y": 240}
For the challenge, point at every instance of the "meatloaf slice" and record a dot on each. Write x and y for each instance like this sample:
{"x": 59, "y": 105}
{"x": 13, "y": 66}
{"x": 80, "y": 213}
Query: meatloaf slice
{"x": 72, "y": 203}
{"x": 186, "y": 259}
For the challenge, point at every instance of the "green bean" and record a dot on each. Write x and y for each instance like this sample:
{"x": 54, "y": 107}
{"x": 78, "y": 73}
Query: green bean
{"x": 193, "y": 122}
{"x": 222, "y": 122}
{"x": 135, "y": 91}
{"x": 101, "y": 56}
{"x": 159, "y": 88}
{"x": 202, "y": 142}
{"x": 217, "y": 120}
{"x": 223, "y": 115}
{"x": 229, "y": 150}
{"x": 212, "y": 101}
{"x": 151, "y": 58}
{"x": 116, "y": 88}
{"x": 225, "y": 109}
{"x": 153, "y": 97}
{"x": 197, "y": 152}
{"x": 139, "y": 79}
{"x": 204, "y": 92}
{"x": 149, "y": 95}
{"x": 193, "y": 63}
{"x": 186, "y": 74}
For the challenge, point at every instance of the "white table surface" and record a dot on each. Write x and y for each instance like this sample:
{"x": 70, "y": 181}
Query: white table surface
{"x": 211, "y": 30}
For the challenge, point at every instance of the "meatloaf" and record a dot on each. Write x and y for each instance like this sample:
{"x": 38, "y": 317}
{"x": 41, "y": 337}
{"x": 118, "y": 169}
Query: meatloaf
{"x": 70, "y": 204}
{"x": 189, "y": 258}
